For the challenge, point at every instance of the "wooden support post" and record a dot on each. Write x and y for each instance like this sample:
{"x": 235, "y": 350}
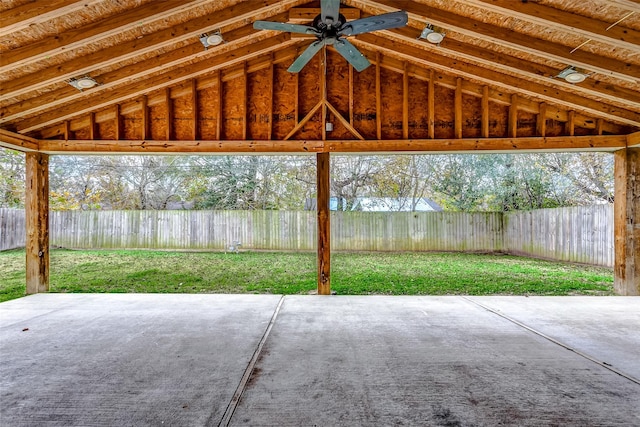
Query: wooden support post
{"x": 458, "y": 109}
{"x": 378, "y": 98}
{"x": 626, "y": 222}
{"x": 324, "y": 227}
{"x": 485, "y": 112}
{"x": 195, "y": 129}
{"x": 541, "y": 121}
{"x": 169, "y": 119}
{"x": 37, "y": 216}
{"x": 92, "y": 126}
{"x": 270, "y": 111}
{"x": 146, "y": 123}
{"x": 405, "y": 101}
{"x": 431, "y": 105}
{"x": 219, "y": 105}
{"x": 117, "y": 122}
{"x": 512, "y": 126}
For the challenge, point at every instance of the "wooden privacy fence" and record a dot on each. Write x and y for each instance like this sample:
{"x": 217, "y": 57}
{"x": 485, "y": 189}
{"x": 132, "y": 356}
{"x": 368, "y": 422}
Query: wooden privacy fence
{"x": 582, "y": 234}
{"x": 12, "y": 229}
{"x": 576, "y": 234}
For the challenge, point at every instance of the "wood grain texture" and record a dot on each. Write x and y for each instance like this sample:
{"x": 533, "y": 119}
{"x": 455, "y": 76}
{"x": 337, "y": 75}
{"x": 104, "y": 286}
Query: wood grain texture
{"x": 37, "y": 222}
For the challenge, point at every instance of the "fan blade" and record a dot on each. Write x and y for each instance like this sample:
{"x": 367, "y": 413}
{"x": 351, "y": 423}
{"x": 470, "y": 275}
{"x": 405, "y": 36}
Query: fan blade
{"x": 351, "y": 54}
{"x": 375, "y": 23}
{"x": 282, "y": 26}
{"x": 306, "y": 56}
{"x": 330, "y": 9}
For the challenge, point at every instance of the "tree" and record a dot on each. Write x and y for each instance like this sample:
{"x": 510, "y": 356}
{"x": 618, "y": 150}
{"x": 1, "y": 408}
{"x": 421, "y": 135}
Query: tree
{"x": 12, "y": 176}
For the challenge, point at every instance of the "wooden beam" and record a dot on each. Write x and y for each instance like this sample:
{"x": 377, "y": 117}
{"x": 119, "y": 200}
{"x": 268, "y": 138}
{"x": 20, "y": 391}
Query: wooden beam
{"x": 378, "y": 98}
{"x": 351, "y": 99}
{"x": 120, "y": 78}
{"x": 496, "y": 79}
{"x": 305, "y": 15}
{"x": 195, "y": 130}
{"x": 306, "y": 118}
{"x": 342, "y": 120}
{"x": 324, "y": 224}
{"x": 51, "y": 146}
{"x": 599, "y": 126}
{"x": 168, "y": 114}
{"x": 92, "y": 126}
{"x": 219, "y": 100}
{"x": 485, "y": 145}
{"x": 485, "y": 112}
{"x": 233, "y": 21}
{"x": 92, "y": 33}
{"x": 502, "y": 37}
{"x": 271, "y": 86}
{"x": 550, "y": 17}
{"x": 496, "y": 145}
{"x": 633, "y": 140}
{"x": 323, "y": 91}
{"x": 624, "y": 97}
{"x": 15, "y": 141}
{"x": 68, "y": 134}
{"x": 98, "y": 99}
{"x": 457, "y": 108}
{"x": 512, "y": 125}
{"x": 245, "y": 100}
{"x": 570, "y": 125}
{"x": 36, "y": 12}
{"x": 145, "y": 123}
{"x": 431, "y": 105}
{"x": 37, "y": 222}
{"x": 496, "y": 95}
{"x": 405, "y": 101}
{"x": 117, "y": 121}
{"x": 541, "y": 120}
{"x": 626, "y": 222}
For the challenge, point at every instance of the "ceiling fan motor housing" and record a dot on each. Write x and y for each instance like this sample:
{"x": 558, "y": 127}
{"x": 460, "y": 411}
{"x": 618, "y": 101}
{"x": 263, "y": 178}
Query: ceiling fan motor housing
{"x": 326, "y": 30}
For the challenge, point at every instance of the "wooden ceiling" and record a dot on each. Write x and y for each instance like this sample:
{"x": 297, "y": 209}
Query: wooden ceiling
{"x": 490, "y": 84}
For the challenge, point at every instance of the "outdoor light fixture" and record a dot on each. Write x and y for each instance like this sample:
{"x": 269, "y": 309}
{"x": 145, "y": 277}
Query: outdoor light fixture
{"x": 431, "y": 34}
{"x": 83, "y": 83}
{"x": 571, "y": 75}
{"x": 213, "y": 39}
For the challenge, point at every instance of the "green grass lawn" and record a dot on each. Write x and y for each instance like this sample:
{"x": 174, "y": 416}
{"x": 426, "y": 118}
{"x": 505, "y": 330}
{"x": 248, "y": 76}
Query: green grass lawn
{"x": 359, "y": 273}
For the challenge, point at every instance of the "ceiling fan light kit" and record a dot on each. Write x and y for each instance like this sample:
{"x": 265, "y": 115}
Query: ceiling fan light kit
{"x": 331, "y": 29}
{"x": 82, "y": 83}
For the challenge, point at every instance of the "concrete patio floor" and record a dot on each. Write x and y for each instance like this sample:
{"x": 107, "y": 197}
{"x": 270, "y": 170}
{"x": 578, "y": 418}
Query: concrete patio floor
{"x": 195, "y": 360}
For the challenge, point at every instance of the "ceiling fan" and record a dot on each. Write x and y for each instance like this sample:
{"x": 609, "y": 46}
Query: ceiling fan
{"x": 331, "y": 29}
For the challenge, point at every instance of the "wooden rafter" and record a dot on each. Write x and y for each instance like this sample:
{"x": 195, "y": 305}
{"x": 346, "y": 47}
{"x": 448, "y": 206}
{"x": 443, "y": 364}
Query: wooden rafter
{"x": 503, "y": 37}
{"x": 617, "y": 95}
{"x": 497, "y": 79}
{"x": 234, "y": 22}
{"x": 92, "y": 33}
{"x": 33, "y": 13}
{"x": 534, "y": 12}
{"x": 160, "y": 81}
{"x": 36, "y": 104}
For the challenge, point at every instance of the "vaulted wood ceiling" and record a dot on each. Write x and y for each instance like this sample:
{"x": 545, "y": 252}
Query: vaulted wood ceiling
{"x": 490, "y": 84}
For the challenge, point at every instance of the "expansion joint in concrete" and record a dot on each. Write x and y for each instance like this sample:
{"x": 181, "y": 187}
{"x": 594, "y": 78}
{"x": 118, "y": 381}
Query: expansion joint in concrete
{"x": 237, "y": 395}
{"x": 548, "y": 338}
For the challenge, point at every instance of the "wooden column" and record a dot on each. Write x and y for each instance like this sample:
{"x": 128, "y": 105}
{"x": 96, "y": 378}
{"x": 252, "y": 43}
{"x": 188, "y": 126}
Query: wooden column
{"x": 324, "y": 227}
{"x": 626, "y": 222}
{"x": 37, "y": 213}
